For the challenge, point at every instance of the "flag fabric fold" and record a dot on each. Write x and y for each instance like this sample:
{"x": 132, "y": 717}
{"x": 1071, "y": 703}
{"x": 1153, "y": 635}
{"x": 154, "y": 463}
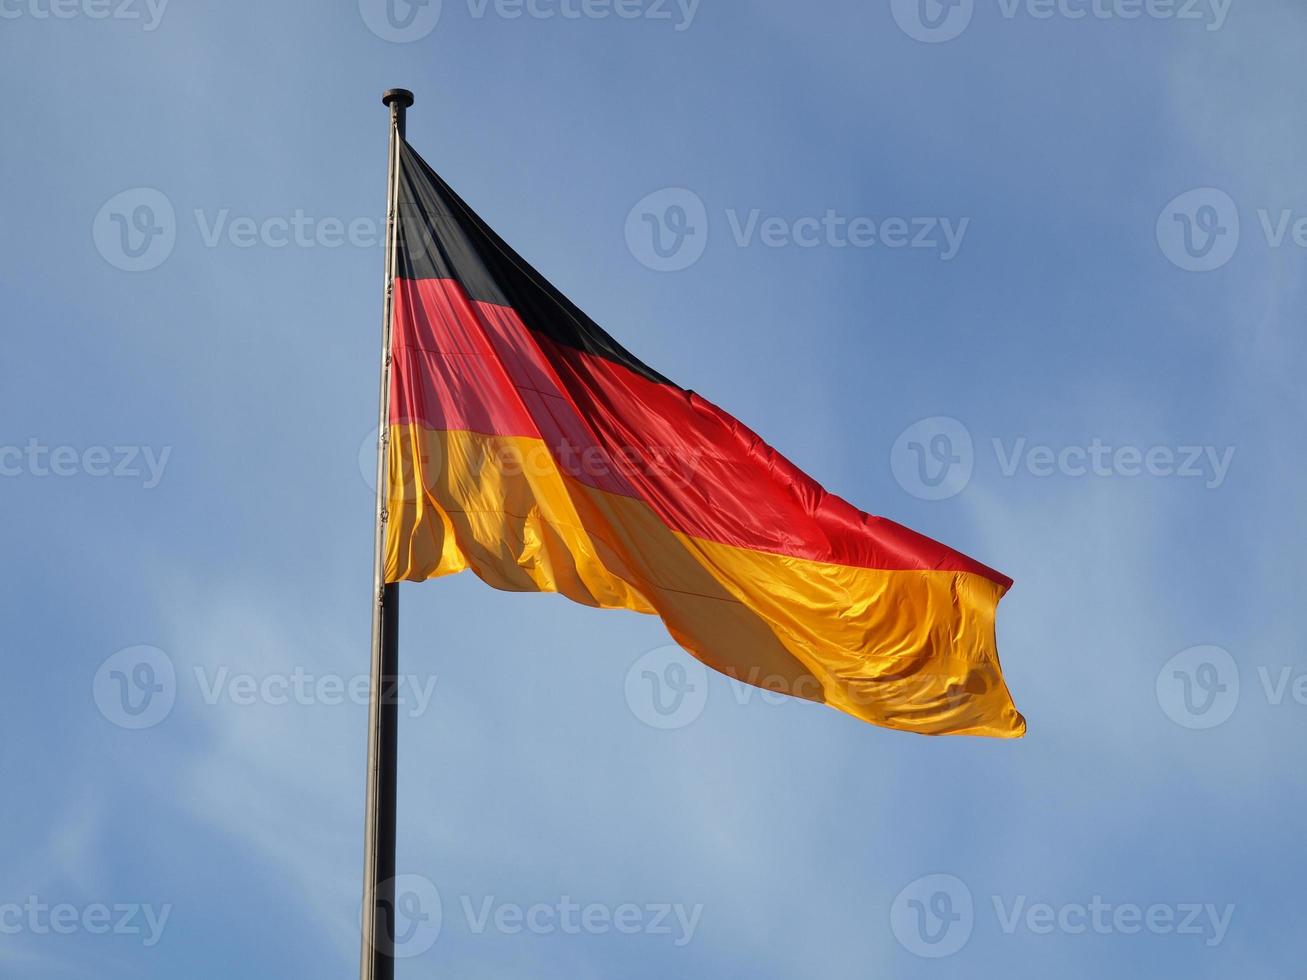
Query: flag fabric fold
{"x": 528, "y": 445}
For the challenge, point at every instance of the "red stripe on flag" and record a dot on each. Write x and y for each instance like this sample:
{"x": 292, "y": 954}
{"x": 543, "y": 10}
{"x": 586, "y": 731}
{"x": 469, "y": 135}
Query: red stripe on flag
{"x": 463, "y": 365}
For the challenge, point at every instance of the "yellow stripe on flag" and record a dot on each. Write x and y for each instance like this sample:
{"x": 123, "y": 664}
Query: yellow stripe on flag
{"x": 912, "y": 650}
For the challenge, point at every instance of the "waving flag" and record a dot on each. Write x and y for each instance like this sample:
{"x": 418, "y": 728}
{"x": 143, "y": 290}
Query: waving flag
{"x": 528, "y": 445}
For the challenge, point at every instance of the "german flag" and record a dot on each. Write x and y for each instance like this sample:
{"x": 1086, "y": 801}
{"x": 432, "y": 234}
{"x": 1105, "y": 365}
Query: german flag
{"x": 528, "y": 445}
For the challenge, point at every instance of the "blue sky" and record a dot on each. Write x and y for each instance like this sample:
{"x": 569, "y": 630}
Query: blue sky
{"x": 1093, "y": 385}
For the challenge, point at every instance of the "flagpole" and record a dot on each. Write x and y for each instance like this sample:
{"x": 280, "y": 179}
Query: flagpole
{"x": 377, "y": 956}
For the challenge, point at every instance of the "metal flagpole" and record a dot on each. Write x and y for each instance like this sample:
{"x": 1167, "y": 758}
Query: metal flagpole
{"x": 377, "y": 961}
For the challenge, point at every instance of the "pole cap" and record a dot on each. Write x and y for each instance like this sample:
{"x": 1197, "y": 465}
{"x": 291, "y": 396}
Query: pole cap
{"x": 402, "y": 96}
